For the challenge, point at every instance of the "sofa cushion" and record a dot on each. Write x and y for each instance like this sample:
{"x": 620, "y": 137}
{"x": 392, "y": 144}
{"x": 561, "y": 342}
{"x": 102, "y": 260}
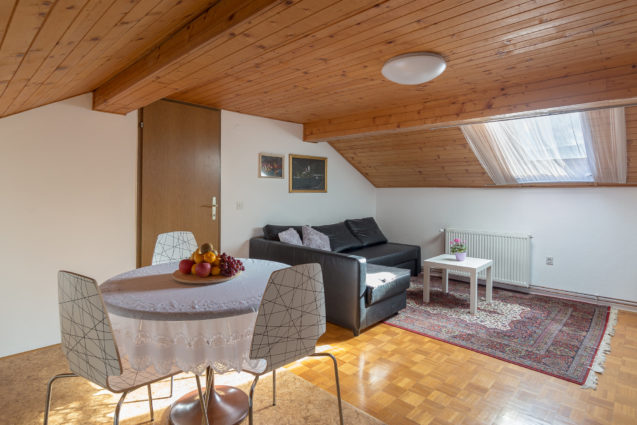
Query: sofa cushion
{"x": 388, "y": 254}
{"x": 290, "y": 236}
{"x": 366, "y": 230}
{"x": 314, "y": 239}
{"x": 271, "y": 231}
{"x": 384, "y": 282}
{"x": 340, "y": 236}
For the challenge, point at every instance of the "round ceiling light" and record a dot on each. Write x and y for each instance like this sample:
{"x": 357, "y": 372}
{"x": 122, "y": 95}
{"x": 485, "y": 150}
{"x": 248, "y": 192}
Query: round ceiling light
{"x": 414, "y": 68}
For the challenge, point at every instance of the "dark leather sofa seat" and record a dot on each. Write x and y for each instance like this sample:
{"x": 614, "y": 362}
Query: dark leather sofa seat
{"x": 391, "y": 254}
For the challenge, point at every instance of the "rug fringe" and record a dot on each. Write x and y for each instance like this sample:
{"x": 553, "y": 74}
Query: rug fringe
{"x": 604, "y": 348}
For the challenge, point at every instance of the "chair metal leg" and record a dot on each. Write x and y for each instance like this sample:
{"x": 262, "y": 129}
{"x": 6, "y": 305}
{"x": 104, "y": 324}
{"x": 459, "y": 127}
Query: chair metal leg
{"x": 273, "y": 387}
{"x": 202, "y": 401}
{"x": 49, "y": 392}
{"x": 172, "y": 383}
{"x": 251, "y": 399}
{"x": 118, "y": 408}
{"x": 210, "y": 383}
{"x": 338, "y": 385}
{"x": 49, "y": 389}
{"x": 150, "y": 403}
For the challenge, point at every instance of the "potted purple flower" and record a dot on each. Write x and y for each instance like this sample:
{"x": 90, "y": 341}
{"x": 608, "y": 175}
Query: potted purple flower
{"x": 459, "y": 248}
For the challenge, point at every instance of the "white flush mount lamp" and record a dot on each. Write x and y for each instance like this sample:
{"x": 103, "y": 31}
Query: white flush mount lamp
{"x": 414, "y": 68}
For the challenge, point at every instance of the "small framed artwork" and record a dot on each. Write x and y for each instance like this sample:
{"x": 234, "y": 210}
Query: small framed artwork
{"x": 308, "y": 173}
{"x": 271, "y": 166}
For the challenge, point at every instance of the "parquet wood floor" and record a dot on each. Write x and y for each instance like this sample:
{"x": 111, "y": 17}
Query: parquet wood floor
{"x": 404, "y": 379}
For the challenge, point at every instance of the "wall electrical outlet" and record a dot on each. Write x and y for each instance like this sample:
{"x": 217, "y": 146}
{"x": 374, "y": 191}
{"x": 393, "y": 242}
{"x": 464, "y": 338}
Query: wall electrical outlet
{"x": 549, "y": 261}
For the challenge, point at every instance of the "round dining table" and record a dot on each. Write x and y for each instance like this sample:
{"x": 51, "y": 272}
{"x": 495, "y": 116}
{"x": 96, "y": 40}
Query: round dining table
{"x": 171, "y": 326}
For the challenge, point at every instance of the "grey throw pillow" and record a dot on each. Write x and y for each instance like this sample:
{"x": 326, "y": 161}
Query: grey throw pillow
{"x": 315, "y": 239}
{"x": 290, "y": 236}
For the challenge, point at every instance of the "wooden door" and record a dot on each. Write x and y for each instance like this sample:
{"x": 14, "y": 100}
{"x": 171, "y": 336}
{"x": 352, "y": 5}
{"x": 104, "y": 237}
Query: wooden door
{"x": 179, "y": 173}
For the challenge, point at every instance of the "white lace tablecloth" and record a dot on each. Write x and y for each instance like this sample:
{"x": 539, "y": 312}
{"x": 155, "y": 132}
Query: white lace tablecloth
{"x": 171, "y": 326}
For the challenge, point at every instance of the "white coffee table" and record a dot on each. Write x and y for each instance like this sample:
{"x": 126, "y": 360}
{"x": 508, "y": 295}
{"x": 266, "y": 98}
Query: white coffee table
{"x": 472, "y": 265}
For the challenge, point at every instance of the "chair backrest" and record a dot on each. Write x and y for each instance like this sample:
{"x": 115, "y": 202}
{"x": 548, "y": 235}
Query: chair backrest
{"x": 173, "y": 246}
{"x": 87, "y": 336}
{"x": 291, "y": 316}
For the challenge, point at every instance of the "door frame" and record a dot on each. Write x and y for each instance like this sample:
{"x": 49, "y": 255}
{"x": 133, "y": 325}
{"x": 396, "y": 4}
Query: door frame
{"x": 140, "y": 160}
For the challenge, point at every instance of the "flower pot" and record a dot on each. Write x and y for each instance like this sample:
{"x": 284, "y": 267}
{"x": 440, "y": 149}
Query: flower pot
{"x": 461, "y": 256}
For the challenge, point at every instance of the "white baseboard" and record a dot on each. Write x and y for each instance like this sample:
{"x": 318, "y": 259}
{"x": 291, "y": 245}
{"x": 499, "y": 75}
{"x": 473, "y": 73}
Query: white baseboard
{"x": 578, "y": 296}
{"x": 557, "y": 293}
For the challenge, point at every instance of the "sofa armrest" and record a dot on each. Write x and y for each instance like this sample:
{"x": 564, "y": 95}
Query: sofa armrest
{"x": 343, "y": 276}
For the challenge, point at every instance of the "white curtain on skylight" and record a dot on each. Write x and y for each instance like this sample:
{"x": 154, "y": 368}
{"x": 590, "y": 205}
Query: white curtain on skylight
{"x": 490, "y": 154}
{"x": 574, "y": 147}
{"x": 605, "y": 141}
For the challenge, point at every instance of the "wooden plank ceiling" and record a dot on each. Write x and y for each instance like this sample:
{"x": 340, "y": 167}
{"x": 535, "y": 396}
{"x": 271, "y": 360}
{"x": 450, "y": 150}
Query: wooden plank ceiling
{"x": 318, "y": 62}
{"x": 420, "y": 158}
{"x": 52, "y": 50}
{"x": 503, "y": 57}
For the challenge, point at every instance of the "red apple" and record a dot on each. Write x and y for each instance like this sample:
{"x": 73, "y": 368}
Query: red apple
{"x": 185, "y": 266}
{"x": 202, "y": 269}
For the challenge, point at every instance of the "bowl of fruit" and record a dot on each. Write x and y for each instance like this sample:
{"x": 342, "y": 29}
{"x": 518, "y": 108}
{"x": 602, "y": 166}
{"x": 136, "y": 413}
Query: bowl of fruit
{"x": 207, "y": 266}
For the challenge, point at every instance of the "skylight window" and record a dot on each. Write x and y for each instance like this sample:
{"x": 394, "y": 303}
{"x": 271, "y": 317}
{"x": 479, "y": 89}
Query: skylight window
{"x": 544, "y": 149}
{"x": 573, "y": 147}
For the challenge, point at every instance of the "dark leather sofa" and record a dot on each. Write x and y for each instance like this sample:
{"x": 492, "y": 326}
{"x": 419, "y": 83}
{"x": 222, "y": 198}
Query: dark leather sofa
{"x": 352, "y": 298}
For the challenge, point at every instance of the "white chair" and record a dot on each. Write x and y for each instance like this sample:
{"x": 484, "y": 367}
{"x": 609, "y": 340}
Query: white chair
{"x": 290, "y": 320}
{"x": 89, "y": 345}
{"x": 173, "y": 246}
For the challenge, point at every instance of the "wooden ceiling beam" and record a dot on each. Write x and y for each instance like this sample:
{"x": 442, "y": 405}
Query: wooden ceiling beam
{"x": 217, "y": 23}
{"x": 545, "y": 97}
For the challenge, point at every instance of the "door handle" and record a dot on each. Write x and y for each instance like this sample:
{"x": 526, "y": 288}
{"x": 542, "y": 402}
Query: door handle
{"x": 213, "y": 207}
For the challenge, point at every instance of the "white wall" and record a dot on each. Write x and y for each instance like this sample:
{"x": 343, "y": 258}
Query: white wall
{"x": 68, "y": 190}
{"x": 590, "y": 232}
{"x": 267, "y": 201}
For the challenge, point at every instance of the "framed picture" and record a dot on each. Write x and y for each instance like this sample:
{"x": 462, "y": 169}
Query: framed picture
{"x": 308, "y": 173}
{"x": 271, "y": 166}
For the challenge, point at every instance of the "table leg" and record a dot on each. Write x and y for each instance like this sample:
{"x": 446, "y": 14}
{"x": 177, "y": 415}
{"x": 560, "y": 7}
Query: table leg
{"x": 226, "y": 405}
{"x": 473, "y": 292}
{"x": 489, "y": 285}
{"x": 425, "y": 288}
{"x": 445, "y": 280}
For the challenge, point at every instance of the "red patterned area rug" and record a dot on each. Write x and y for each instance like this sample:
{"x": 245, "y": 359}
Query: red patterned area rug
{"x": 561, "y": 338}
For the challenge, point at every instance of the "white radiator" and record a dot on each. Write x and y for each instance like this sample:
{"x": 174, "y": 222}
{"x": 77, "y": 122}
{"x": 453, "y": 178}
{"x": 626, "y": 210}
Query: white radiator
{"x": 511, "y": 253}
